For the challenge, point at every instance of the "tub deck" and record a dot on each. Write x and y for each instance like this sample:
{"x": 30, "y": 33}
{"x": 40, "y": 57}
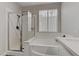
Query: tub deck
{"x": 72, "y": 44}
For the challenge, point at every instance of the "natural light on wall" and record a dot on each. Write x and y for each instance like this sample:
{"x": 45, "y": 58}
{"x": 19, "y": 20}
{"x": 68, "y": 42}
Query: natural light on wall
{"x": 29, "y": 21}
{"x": 48, "y": 20}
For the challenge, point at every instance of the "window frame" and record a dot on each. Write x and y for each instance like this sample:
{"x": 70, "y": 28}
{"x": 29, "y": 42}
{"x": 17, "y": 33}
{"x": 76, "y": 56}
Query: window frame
{"x": 48, "y": 22}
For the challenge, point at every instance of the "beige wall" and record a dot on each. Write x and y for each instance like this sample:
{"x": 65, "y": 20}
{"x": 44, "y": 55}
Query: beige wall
{"x": 70, "y": 18}
{"x": 34, "y": 9}
{"x": 4, "y": 24}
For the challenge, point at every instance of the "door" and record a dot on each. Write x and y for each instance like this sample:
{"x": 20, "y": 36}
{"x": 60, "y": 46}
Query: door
{"x": 14, "y": 33}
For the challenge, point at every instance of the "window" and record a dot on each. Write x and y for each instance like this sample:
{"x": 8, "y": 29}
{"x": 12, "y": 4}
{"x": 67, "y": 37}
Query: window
{"x": 29, "y": 21}
{"x": 43, "y": 21}
{"x": 48, "y": 20}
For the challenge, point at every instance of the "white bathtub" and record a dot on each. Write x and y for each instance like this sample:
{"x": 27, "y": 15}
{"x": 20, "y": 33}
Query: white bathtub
{"x": 44, "y": 46}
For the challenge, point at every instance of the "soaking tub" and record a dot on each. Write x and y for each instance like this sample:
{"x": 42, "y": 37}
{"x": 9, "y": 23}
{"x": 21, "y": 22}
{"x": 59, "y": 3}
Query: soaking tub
{"x": 44, "y": 46}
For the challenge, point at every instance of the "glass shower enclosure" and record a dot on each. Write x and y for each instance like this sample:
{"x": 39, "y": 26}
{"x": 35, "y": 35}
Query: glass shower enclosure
{"x": 20, "y": 28}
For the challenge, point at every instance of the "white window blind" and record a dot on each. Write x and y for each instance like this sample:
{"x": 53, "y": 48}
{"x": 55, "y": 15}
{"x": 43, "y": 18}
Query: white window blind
{"x": 48, "y": 20}
{"x": 43, "y": 21}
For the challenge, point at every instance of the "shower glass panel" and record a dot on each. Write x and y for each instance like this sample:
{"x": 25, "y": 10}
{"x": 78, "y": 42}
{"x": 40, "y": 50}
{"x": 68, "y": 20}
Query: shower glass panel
{"x": 29, "y": 21}
{"x": 14, "y": 29}
{"x": 28, "y": 25}
{"x": 21, "y": 27}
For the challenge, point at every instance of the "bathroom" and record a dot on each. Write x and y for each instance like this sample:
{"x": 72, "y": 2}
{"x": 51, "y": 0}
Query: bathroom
{"x": 39, "y": 28}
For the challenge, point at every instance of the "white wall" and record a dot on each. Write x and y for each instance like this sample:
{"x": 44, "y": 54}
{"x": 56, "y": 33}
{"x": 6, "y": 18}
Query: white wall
{"x": 70, "y": 18}
{"x": 4, "y": 23}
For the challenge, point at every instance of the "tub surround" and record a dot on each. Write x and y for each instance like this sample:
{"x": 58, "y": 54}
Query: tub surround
{"x": 72, "y": 44}
{"x": 45, "y": 46}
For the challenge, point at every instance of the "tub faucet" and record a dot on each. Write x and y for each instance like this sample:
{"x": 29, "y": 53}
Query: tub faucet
{"x": 64, "y": 35}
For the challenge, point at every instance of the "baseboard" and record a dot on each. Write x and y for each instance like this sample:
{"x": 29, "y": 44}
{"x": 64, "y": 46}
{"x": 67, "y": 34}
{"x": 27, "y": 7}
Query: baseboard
{"x": 4, "y": 54}
{"x": 13, "y": 53}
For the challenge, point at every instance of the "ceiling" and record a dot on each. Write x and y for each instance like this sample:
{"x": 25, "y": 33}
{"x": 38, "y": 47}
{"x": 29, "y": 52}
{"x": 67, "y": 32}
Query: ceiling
{"x": 31, "y": 3}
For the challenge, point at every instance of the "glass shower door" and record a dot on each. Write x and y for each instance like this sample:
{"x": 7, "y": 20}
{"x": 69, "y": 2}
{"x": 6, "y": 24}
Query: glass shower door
{"x": 28, "y": 27}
